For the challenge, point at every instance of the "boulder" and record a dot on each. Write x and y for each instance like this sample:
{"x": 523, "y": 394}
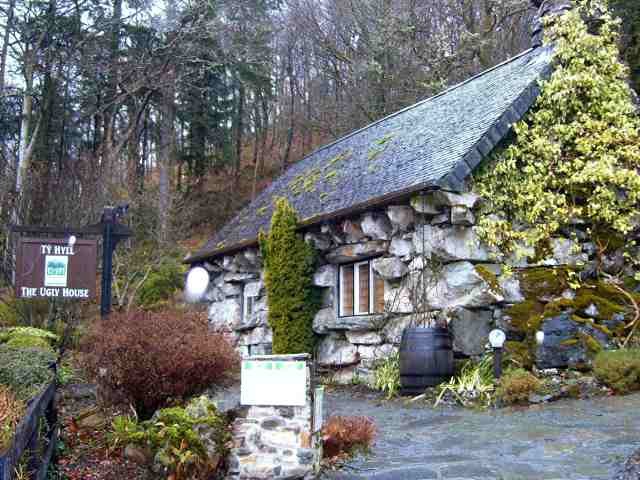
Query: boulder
{"x": 510, "y": 288}
{"x": 459, "y": 285}
{"x": 376, "y": 226}
{"x": 240, "y": 263}
{"x": 327, "y": 320}
{"x": 425, "y": 204}
{"x": 566, "y": 252}
{"x": 325, "y": 276}
{"x": 335, "y": 351}
{"x": 332, "y": 231}
{"x": 257, "y": 336}
{"x": 213, "y": 294}
{"x": 461, "y": 215}
{"x": 252, "y": 256}
{"x": 470, "y": 330}
{"x": 358, "y": 251}
{"x": 239, "y": 277}
{"x": 354, "y": 375}
{"x": 441, "y": 219}
{"x": 371, "y": 354}
{"x": 567, "y": 343}
{"x": 318, "y": 241}
{"x": 390, "y": 268}
{"x": 401, "y": 217}
{"x": 450, "y": 199}
{"x": 400, "y": 247}
{"x": 256, "y": 319}
{"x": 352, "y": 231}
{"x": 450, "y": 243}
{"x": 358, "y": 337}
{"x": 392, "y": 331}
{"x": 225, "y": 315}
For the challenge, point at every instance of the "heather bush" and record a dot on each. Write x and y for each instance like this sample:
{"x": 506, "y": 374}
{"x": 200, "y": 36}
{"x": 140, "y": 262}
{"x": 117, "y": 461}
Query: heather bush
{"x": 25, "y": 370}
{"x": 149, "y": 359}
{"x": 618, "y": 369}
{"x": 343, "y": 436}
{"x": 516, "y": 385}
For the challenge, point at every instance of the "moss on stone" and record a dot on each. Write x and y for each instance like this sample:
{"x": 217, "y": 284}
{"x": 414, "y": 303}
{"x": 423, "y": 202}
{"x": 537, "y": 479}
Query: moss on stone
{"x": 570, "y": 342}
{"x": 489, "y": 277}
{"x": 591, "y": 345}
{"x": 541, "y": 281}
{"x": 526, "y": 317}
{"x": 519, "y": 354}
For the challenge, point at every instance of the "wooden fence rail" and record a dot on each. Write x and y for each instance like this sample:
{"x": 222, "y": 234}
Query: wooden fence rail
{"x": 35, "y": 437}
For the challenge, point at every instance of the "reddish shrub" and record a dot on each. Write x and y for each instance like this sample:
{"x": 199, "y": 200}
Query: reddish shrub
{"x": 346, "y": 435}
{"x": 151, "y": 358}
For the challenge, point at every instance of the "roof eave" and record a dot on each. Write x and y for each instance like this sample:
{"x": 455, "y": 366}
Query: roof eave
{"x": 318, "y": 219}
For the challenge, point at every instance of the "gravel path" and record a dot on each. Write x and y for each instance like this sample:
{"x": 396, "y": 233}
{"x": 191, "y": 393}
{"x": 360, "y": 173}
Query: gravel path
{"x": 566, "y": 440}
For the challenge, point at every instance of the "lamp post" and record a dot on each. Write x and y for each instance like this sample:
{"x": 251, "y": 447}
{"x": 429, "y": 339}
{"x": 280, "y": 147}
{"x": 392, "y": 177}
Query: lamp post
{"x": 497, "y": 339}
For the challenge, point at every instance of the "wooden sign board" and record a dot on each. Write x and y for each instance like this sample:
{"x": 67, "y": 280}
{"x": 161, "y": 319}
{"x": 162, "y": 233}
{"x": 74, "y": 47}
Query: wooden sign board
{"x": 51, "y": 268}
{"x": 273, "y": 383}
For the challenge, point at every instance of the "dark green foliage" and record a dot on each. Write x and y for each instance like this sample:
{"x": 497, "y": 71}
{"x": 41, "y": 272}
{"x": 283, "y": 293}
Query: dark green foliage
{"x": 289, "y": 267}
{"x": 174, "y": 437}
{"x": 25, "y": 370}
{"x": 618, "y": 369}
{"x": 161, "y": 284}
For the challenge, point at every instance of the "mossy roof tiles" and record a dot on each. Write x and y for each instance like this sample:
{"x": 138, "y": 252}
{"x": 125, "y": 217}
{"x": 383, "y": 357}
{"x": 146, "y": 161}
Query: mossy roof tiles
{"x": 435, "y": 143}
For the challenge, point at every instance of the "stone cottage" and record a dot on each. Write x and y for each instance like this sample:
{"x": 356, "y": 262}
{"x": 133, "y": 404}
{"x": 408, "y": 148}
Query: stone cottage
{"x": 391, "y": 212}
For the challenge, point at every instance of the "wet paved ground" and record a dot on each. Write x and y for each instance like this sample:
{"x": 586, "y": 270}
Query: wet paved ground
{"x": 566, "y": 440}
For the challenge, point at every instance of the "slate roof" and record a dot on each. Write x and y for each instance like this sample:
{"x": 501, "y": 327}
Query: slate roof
{"x": 435, "y": 143}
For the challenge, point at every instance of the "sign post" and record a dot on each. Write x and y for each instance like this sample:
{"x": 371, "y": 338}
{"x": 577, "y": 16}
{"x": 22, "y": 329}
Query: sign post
{"x": 60, "y": 268}
{"x": 51, "y": 268}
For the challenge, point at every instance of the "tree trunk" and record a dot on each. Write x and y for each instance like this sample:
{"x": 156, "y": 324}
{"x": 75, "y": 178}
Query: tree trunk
{"x": 5, "y": 43}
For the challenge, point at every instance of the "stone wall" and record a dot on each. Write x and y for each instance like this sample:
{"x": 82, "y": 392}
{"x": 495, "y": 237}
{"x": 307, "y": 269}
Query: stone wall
{"x": 275, "y": 442}
{"x": 431, "y": 239}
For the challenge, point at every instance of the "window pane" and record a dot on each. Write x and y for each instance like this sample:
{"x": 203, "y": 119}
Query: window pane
{"x": 346, "y": 281}
{"x": 378, "y": 293}
{"x": 363, "y": 293}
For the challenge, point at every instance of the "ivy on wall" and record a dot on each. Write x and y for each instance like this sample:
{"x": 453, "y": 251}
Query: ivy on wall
{"x": 289, "y": 266}
{"x": 576, "y": 154}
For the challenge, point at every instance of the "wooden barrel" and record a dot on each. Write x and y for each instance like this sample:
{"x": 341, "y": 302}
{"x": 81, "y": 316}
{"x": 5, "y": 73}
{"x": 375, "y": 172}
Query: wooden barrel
{"x": 426, "y": 359}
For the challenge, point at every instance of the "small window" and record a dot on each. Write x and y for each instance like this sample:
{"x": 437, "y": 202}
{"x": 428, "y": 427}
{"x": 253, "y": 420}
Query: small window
{"x": 248, "y": 302}
{"x": 361, "y": 290}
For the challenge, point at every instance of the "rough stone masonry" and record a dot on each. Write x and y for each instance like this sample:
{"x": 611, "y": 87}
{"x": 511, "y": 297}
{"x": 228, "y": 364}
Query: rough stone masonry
{"x": 276, "y": 442}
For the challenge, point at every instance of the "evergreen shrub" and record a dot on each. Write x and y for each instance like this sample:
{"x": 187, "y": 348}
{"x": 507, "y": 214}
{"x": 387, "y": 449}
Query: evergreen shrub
{"x": 618, "y": 369}
{"x": 289, "y": 267}
{"x": 25, "y": 370}
{"x": 149, "y": 359}
{"x": 183, "y": 440}
{"x": 161, "y": 284}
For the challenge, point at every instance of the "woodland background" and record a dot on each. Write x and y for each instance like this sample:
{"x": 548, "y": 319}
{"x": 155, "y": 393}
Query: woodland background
{"x": 185, "y": 110}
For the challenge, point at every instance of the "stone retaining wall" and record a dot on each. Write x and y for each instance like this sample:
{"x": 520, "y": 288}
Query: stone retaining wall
{"x": 275, "y": 442}
{"x": 431, "y": 238}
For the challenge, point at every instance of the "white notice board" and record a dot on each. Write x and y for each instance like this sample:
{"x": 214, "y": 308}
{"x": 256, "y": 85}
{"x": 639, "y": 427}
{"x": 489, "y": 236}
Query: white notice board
{"x": 276, "y": 383}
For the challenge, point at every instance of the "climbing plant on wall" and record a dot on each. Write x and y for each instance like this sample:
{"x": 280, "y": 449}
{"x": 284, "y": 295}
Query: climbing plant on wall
{"x": 289, "y": 266}
{"x": 576, "y": 154}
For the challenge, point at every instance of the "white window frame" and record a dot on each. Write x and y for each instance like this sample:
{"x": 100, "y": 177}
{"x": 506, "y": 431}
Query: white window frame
{"x": 245, "y": 303}
{"x": 356, "y": 289}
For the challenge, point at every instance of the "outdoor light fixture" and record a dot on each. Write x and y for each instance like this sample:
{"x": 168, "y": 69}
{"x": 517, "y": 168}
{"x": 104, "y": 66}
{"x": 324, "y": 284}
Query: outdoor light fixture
{"x": 72, "y": 240}
{"x": 497, "y": 339}
{"x": 196, "y": 284}
{"x": 539, "y": 337}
